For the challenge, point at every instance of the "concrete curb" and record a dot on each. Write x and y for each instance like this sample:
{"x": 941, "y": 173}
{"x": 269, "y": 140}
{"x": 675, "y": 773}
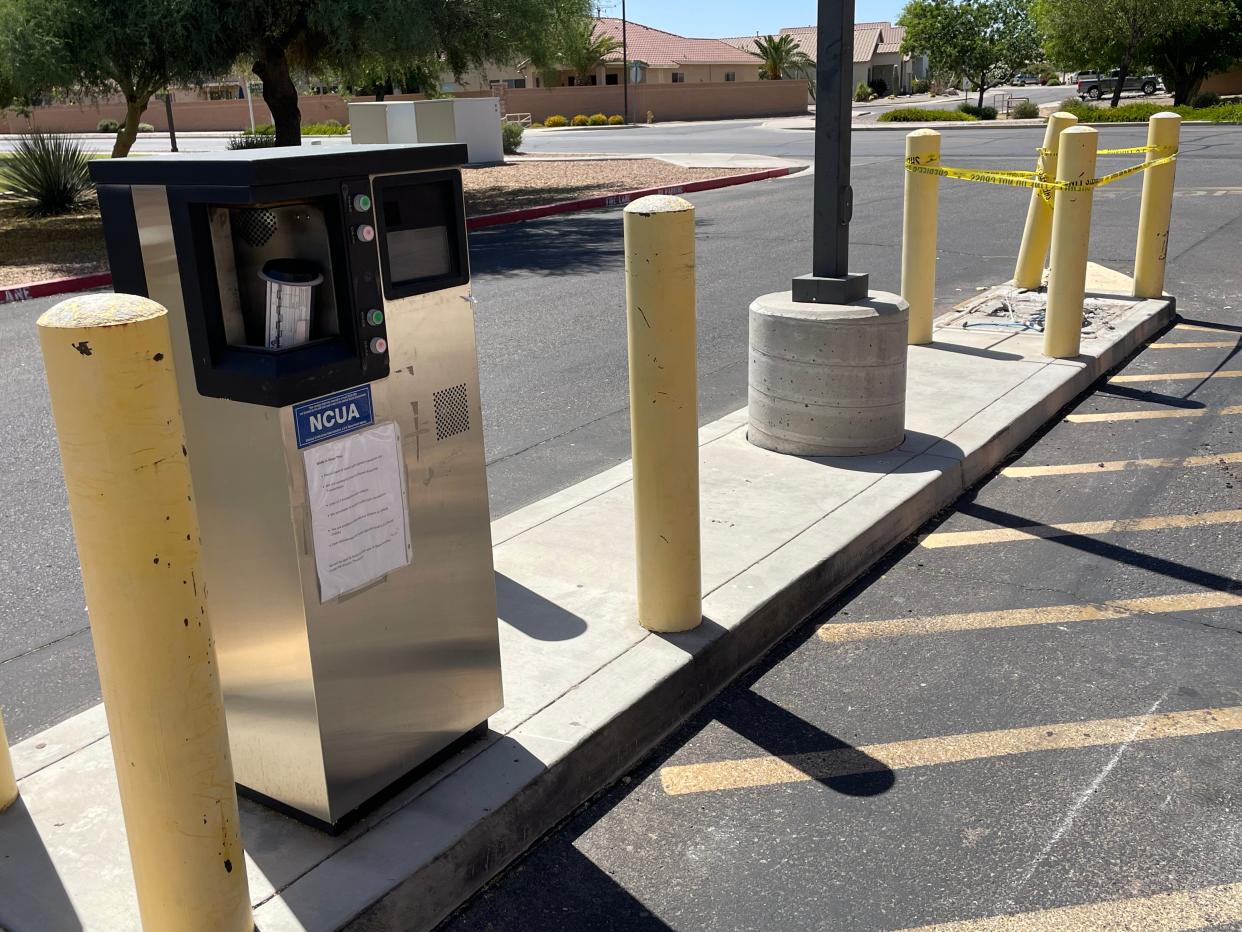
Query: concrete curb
{"x": 15, "y": 293}
{"x": 621, "y": 199}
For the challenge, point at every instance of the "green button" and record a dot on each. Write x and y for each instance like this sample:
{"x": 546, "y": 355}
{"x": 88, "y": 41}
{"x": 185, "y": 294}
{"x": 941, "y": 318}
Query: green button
{"x": 375, "y": 317}
{"x": 362, "y": 202}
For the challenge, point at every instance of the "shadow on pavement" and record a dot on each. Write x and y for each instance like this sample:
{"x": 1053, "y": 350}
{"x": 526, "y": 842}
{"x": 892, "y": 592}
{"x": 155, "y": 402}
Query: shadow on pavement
{"x": 532, "y": 614}
{"x": 32, "y": 898}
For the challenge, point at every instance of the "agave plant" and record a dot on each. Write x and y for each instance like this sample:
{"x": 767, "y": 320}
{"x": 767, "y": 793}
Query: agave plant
{"x": 50, "y": 171}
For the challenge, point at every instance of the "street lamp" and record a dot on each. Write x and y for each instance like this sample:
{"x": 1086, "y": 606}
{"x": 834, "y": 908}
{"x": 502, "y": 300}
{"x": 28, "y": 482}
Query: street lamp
{"x": 830, "y": 281}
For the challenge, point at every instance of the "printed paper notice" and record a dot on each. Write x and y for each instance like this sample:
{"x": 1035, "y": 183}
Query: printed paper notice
{"x": 359, "y": 523}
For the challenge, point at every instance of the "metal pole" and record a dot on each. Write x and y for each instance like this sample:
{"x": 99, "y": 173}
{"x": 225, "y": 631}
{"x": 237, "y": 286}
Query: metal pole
{"x": 122, "y": 445}
{"x": 1071, "y": 231}
{"x": 918, "y": 236}
{"x": 625, "y": 67}
{"x": 1029, "y": 269}
{"x": 664, "y": 422}
{"x": 830, "y": 281}
{"x": 8, "y": 780}
{"x": 1156, "y": 207}
{"x": 249, "y": 101}
{"x": 172, "y": 128}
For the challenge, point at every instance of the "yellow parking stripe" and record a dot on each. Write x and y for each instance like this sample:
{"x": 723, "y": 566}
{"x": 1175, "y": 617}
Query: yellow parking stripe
{"x": 1211, "y": 344}
{"x": 1038, "y": 531}
{"x": 1070, "y": 469}
{"x": 1202, "y": 328}
{"x": 1176, "y": 376}
{"x": 1179, "y": 911}
{"x": 771, "y": 770}
{"x": 843, "y": 632}
{"x": 1151, "y": 415}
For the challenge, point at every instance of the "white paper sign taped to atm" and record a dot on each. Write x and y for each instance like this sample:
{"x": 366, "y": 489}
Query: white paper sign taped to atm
{"x": 359, "y": 517}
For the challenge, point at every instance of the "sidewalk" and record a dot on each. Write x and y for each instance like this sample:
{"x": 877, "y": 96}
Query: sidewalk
{"x": 588, "y": 691}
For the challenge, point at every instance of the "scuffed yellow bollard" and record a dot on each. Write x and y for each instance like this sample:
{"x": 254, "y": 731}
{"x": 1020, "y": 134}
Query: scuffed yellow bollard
{"x": 918, "y": 235}
{"x": 8, "y": 780}
{"x": 1156, "y": 207}
{"x": 664, "y": 420}
{"x": 1037, "y": 234}
{"x": 122, "y": 445}
{"x": 1071, "y": 231}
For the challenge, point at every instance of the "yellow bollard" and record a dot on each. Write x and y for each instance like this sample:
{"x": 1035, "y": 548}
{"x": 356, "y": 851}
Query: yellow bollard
{"x": 1037, "y": 234}
{"x": 1156, "y": 207}
{"x": 122, "y": 446}
{"x": 664, "y": 420}
{"x": 918, "y": 236}
{"x": 1071, "y": 230}
{"x": 8, "y": 780}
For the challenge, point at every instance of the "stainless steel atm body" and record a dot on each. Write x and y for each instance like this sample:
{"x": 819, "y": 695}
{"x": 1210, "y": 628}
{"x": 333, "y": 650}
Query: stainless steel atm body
{"x": 336, "y": 685}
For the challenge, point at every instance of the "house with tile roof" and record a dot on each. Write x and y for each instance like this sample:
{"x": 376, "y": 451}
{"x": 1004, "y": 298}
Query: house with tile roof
{"x": 877, "y": 53}
{"x": 659, "y": 57}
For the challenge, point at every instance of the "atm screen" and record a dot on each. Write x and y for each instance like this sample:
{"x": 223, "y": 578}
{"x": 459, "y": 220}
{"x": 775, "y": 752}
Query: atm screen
{"x": 423, "y": 243}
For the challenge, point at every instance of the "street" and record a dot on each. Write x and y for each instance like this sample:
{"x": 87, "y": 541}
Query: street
{"x": 552, "y": 336}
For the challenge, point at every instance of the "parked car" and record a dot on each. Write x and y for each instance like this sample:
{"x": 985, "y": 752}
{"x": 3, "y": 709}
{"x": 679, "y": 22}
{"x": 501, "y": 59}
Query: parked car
{"x": 1022, "y": 80}
{"x": 1095, "y": 85}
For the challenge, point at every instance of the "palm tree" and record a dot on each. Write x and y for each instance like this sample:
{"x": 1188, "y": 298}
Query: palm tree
{"x": 582, "y": 49}
{"x": 782, "y": 58}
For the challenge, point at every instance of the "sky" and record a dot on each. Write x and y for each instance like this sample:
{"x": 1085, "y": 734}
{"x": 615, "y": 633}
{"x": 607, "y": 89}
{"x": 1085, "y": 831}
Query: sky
{"x": 714, "y": 18}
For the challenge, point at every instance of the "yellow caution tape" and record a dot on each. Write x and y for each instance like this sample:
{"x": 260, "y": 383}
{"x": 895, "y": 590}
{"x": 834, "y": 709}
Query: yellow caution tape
{"x": 1027, "y": 179}
{"x": 1133, "y": 150}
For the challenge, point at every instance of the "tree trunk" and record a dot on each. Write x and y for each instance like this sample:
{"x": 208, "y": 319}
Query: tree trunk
{"x": 983, "y": 86}
{"x": 280, "y": 95}
{"x": 1121, "y": 82}
{"x": 134, "y": 106}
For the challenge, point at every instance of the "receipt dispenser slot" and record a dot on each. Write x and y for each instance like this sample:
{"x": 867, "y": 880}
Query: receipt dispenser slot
{"x": 323, "y": 332}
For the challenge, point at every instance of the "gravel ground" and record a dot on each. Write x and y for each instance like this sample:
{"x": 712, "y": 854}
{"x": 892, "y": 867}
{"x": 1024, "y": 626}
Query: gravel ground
{"x": 529, "y": 184}
{"x": 36, "y": 250}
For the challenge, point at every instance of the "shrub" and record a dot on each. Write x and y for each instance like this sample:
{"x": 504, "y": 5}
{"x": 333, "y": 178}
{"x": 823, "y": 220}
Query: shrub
{"x": 862, "y": 93}
{"x": 920, "y": 86}
{"x": 146, "y": 128}
{"x": 555, "y": 121}
{"x": 1140, "y": 112}
{"x": 50, "y": 171}
{"x": 1026, "y": 110}
{"x": 511, "y": 137}
{"x": 1205, "y": 99}
{"x": 616, "y": 120}
{"x": 107, "y": 126}
{"x": 979, "y": 113}
{"x": 252, "y": 141}
{"x": 580, "y": 119}
{"x": 261, "y": 129}
{"x": 925, "y": 115}
{"x": 326, "y": 128}
{"x": 536, "y": 125}
{"x": 597, "y": 119}
{"x": 879, "y": 86}
{"x": 1053, "y": 81}
{"x": 650, "y": 117}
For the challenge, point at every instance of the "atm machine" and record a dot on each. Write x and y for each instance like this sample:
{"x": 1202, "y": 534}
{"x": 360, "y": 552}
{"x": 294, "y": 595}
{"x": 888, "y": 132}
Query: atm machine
{"x": 323, "y": 335}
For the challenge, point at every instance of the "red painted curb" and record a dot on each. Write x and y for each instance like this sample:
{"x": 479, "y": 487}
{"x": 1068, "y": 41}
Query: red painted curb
{"x": 55, "y": 286}
{"x": 619, "y": 200}
{"x": 102, "y": 279}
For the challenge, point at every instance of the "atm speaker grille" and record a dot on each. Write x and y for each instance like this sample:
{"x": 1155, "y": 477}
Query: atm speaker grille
{"x": 452, "y": 411}
{"x": 256, "y": 226}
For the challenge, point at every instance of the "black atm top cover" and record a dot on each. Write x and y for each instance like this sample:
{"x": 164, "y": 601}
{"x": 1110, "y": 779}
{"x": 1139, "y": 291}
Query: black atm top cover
{"x": 247, "y": 168}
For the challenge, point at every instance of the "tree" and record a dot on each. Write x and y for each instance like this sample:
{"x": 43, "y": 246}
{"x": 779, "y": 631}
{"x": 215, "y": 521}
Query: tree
{"x": 1102, "y": 34}
{"x": 320, "y": 35}
{"x": 582, "y": 48}
{"x": 984, "y": 40}
{"x": 782, "y": 57}
{"x": 134, "y": 47}
{"x": 1205, "y": 36}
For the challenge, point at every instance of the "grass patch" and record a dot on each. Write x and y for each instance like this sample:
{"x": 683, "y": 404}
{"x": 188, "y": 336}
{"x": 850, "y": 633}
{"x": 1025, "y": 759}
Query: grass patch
{"x": 1141, "y": 113}
{"x": 926, "y": 115}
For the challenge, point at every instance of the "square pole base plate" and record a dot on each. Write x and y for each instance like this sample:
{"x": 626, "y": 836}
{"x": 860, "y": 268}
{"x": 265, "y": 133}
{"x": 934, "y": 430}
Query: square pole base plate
{"x": 812, "y": 289}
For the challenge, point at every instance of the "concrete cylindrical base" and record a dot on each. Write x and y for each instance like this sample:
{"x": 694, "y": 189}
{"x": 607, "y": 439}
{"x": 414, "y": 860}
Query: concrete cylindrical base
{"x": 828, "y": 379}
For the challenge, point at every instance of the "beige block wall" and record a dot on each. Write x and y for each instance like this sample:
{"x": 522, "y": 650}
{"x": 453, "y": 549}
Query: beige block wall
{"x": 688, "y": 101}
{"x": 1228, "y": 83}
{"x": 188, "y": 115}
